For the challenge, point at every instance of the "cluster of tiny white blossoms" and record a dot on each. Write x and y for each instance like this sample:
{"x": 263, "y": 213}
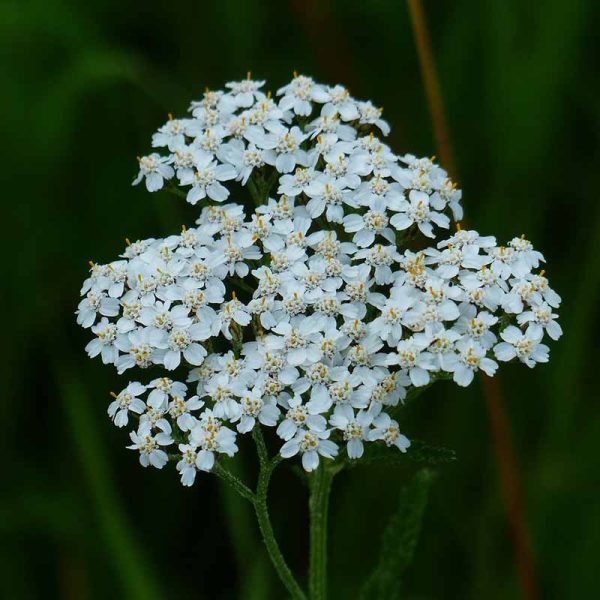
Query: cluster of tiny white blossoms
{"x": 303, "y": 308}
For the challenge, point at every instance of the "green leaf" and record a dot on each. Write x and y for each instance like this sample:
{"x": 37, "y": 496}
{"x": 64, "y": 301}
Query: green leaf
{"x": 399, "y": 540}
{"x": 419, "y": 452}
{"x": 138, "y": 577}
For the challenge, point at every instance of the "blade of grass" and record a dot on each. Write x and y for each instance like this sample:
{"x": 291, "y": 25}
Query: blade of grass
{"x": 129, "y": 562}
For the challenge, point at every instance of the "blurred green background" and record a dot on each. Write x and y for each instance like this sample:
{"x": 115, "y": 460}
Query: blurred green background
{"x": 83, "y": 87}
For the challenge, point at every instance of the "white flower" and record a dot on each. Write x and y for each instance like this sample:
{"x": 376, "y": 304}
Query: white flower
{"x": 125, "y": 402}
{"x": 471, "y": 358}
{"x": 364, "y": 356}
{"x": 298, "y": 340}
{"x": 484, "y": 288}
{"x": 211, "y": 437}
{"x": 310, "y": 444}
{"x": 299, "y": 417}
{"x": 154, "y": 169}
{"x": 245, "y": 92}
{"x": 221, "y": 392}
{"x": 327, "y": 194}
{"x": 298, "y": 94}
{"x": 369, "y": 115}
{"x": 187, "y": 465}
{"x": 104, "y": 344}
{"x": 412, "y": 358}
{"x": 183, "y": 341}
{"x": 386, "y": 429}
{"x": 388, "y": 392}
{"x": 180, "y": 409}
{"x": 331, "y": 124}
{"x": 93, "y": 304}
{"x": 527, "y": 258}
{"x": 523, "y": 345}
{"x": 298, "y": 183}
{"x": 381, "y": 258}
{"x": 388, "y": 326}
{"x": 443, "y": 349}
{"x": 231, "y": 312}
{"x": 417, "y": 210}
{"x": 283, "y": 147}
{"x": 468, "y": 238}
{"x": 541, "y": 318}
{"x": 164, "y": 388}
{"x": 156, "y": 418}
{"x": 162, "y": 316}
{"x": 231, "y": 254}
{"x": 354, "y": 428}
{"x": 540, "y": 285}
{"x": 171, "y": 134}
{"x": 142, "y": 347}
{"x": 205, "y": 179}
{"x": 243, "y": 158}
{"x": 340, "y": 102}
{"x": 253, "y": 407}
{"x": 306, "y": 313}
{"x": 476, "y": 325}
{"x": 149, "y": 445}
{"x": 366, "y": 227}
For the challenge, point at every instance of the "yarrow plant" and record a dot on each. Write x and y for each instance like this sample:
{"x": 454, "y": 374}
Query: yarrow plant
{"x": 319, "y": 289}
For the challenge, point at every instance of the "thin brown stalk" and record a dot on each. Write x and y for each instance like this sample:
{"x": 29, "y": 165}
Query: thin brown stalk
{"x": 329, "y": 44}
{"x": 431, "y": 84}
{"x": 512, "y": 493}
{"x": 332, "y": 49}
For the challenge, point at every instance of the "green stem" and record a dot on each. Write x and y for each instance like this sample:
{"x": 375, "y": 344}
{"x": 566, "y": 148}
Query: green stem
{"x": 173, "y": 189}
{"x": 234, "y": 482}
{"x": 320, "y": 486}
{"x": 264, "y": 522}
{"x": 254, "y": 192}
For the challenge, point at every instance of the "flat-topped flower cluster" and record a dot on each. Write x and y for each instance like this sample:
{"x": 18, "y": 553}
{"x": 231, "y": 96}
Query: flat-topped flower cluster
{"x": 310, "y": 307}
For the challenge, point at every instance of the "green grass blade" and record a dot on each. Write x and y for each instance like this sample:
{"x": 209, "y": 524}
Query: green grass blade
{"x": 136, "y": 574}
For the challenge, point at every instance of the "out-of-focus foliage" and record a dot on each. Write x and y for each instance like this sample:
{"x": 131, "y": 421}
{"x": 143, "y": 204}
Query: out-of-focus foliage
{"x": 399, "y": 540}
{"x": 83, "y": 86}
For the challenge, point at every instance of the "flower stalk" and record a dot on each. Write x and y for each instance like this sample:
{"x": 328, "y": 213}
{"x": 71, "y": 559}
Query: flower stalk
{"x": 320, "y": 488}
{"x": 264, "y": 522}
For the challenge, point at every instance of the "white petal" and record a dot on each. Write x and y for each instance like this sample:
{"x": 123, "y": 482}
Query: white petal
{"x": 310, "y": 460}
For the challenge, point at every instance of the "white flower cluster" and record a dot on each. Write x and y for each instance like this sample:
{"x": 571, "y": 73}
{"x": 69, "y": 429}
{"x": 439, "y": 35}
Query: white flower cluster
{"x": 307, "y": 315}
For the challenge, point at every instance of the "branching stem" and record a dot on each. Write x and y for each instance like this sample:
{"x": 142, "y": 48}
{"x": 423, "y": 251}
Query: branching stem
{"x": 320, "y": 487}
{"x": 243, "y": 490}
{"x": 264, "y": 522}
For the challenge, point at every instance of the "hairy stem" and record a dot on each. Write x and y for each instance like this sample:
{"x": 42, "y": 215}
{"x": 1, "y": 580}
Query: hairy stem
{"x": 234, "y": 482}
{"x": 320, "y": 486}
{"x": 264, "y": 522}
{"x": 173, "y": 189}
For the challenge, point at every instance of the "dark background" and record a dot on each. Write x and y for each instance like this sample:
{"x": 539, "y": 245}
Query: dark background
{"x": 84, "y": 85}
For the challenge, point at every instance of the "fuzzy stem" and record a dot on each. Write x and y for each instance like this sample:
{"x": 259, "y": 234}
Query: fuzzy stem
{"x": 264, "y": 522}
{"x": 320, "y": 487}
{"x": 234, "y": 482}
